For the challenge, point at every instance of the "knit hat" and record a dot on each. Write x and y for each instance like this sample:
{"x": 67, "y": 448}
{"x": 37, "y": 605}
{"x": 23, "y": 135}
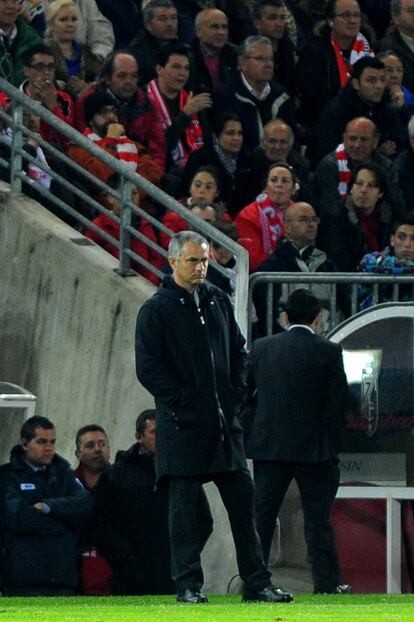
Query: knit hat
{"x": 95, "y": 102}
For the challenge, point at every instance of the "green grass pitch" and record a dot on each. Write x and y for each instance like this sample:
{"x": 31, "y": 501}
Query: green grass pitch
{"x": 306, "y": 608}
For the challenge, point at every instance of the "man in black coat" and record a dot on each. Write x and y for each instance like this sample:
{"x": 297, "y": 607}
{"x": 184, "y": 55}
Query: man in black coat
{"x": 301, "y": 398}
{"x": 252, "y": 94}
{"x": 42, "y": 507}
{"x": 190, "y": 355}
{"x": 130, "y": 522}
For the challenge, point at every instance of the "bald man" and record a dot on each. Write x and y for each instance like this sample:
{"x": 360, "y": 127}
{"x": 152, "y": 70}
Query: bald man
{"x": 215, "y": 58}
{"x": 295, "y": 253}
{"x": 333, "y": 173}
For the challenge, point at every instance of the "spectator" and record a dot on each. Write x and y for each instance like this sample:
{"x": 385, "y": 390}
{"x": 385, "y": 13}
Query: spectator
{"x": 16, "y": 38}
{"x": 364, "y": 223}
{"x": 240, "y": 23}
{"x": 397, "y": 258}
{"x": 160, "y": 29}
{"x": 92, "y": 451}
{"x": 309, "y": 15}
{"x": 131, "y": 518}
{"x": 203, "y": 191}
{"x": 179, "y": 110}
{"x": 43, "y": 505}
{"x": 400, "y": 97}
{"x": 226, "y": 153}
{"x": 104, "y": 129}
{"x": 215, "y": 59}
{"x": 76, "y": 65}
{"x": 119, "y": 77}
{"x": 363, "y": 96}
{"x": 334, "y": 172}
{"x": 270, "y": 21}
{"x": 111, "y": 226}
{"x": 399, "y": 37}
{"x": 404, "y": 165}
{"x": 276, "y": 146}
{"x": 94, "y": 29}
{"x": 325, "y": 63}
{"x": 126, "y": 23}
{"x": 252, "y": 94}
{"x": 297, "y": 252}
{"x": 260, "y": 225}
{"x": 33, "y": 12}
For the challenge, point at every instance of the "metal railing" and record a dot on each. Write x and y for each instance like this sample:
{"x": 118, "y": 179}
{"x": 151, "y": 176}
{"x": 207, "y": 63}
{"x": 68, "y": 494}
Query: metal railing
{"x": 330, "y": 280}
{"x": 18, "y": 177}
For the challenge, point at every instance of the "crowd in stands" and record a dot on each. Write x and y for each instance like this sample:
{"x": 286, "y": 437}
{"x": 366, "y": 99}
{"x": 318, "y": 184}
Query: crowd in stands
{"x": 236, "y": 108}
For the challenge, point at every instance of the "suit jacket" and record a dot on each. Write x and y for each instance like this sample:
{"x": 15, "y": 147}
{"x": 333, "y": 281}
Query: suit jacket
{"x": 301, "y": 397}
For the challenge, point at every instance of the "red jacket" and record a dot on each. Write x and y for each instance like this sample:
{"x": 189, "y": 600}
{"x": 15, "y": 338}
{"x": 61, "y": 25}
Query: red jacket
{"x": 112, "y": 228}
{"x": 142, "y": 123}
{"x": 65, "y": 110}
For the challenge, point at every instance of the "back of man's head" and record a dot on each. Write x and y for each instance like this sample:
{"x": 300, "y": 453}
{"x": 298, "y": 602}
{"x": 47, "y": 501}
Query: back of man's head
{"x": 302, "y": 307}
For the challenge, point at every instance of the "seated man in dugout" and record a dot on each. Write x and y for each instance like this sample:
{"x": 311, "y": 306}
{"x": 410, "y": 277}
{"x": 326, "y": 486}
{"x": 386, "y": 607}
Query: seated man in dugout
{"x": 42, "y": 507}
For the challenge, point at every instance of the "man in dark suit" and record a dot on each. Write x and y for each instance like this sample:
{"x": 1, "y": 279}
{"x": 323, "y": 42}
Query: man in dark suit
{"x": 301, "y": 397}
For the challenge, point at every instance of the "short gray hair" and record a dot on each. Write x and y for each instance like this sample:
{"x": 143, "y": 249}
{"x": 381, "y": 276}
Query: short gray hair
{"x": 148, "y": 10}
{"x": 179, "y": 239}
{"x": 395, "y": 7}
{"x": 252, "y": 42}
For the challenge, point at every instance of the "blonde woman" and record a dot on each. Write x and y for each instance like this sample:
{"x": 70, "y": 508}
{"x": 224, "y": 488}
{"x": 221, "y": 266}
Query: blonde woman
{"x": 76, "y": 65}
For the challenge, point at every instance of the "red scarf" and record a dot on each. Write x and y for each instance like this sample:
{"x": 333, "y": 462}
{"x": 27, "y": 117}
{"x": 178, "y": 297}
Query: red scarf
{"x": 193, "y": 132}
{"x": 344, "y": 174}
{"x": 271, "y": 222}
{"x": 126, "y": 149}
{"x": 370, "y": 227}
{"x": 360, "y": 48}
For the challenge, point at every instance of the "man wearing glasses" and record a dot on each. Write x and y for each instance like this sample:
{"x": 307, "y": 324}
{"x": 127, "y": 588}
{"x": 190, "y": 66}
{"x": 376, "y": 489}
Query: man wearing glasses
{"x": 39, "y": 67}
{"x": 253, "y": 94}
{"x": 16, "y": 38}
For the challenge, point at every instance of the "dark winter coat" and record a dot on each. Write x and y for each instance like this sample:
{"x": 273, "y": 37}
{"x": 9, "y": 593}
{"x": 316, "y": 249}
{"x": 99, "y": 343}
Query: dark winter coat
{"x": 40, "y": 549}
{"x": 254, "y": 113}
{"x": 192, "y": 359}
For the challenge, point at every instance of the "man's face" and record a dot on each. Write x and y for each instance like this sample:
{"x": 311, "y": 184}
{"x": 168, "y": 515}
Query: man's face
{"x": 41, "y": 449}
{"x": 360, "y": 141}
{"x": 403, "y": 242}
{"x": 9, "y": 10}
{"x": 347, "y": 20}
{"x": 93, "y": 452}
{"x": 370, "y": 85}
{"x": 272, "y": 22}
{"x": 259, "y": 64}
{"x": 103, "y": 119}
{"x": 164, "y": 24}
{"x": 277, "y": 143}
{"x": 124, "y": 79}
{"x": 147, "y": 439}
{"x": 301, "y": 224}
{"x": 174, "y": 76}
{"x": 405, "y": 20}
{"x": 41, "y": 71}
{"x": 190, "y": 269}
{"x": 213, "y": 31}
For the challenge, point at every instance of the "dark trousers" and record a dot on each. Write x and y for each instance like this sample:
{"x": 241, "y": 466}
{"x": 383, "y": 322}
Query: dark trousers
{"x": 318, "y": 484}
{"x": 236, "y": 490}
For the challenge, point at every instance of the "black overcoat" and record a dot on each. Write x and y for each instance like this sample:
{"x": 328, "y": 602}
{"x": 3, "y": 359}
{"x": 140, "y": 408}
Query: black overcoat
{"x": 192, "y": 359}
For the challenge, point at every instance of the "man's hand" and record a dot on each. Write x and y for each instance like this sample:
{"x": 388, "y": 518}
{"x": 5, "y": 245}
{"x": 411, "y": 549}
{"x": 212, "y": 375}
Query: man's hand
{"x": 397, "y": 97}
{"x": 40, "y": 506}
{"x": 47, "y": 93}
{"x": 195, "y": 103}
{"x": 115, "y": 130}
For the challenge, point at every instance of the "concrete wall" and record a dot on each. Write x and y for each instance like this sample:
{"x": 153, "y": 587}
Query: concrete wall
{"x": 67, "y": 335}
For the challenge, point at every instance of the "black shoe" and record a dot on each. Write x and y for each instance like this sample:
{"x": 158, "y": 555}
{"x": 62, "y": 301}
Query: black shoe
{"x": 191, "y": 596}
{"x": 344, "y": 588}
{"x": 269, "y": 594}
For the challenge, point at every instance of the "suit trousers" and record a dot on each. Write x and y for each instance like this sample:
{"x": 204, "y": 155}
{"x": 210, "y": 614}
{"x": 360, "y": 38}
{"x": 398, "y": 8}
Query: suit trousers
{"x": 236, "y": 489}
{"x": 318, "y": 484}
